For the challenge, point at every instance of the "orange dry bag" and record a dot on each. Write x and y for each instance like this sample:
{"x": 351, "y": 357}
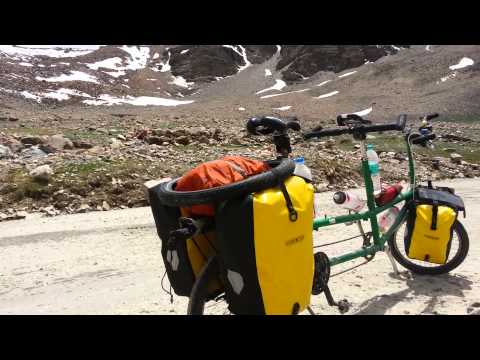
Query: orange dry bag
{"x": 227, "y": 170}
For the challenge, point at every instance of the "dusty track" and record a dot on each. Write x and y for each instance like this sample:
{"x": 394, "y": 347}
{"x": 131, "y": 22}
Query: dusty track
{"x": 110, "y": 263}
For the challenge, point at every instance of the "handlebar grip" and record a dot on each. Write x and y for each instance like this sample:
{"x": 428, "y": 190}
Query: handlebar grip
{"x": 270, "y": 125}
{"x": 252, "y": 125}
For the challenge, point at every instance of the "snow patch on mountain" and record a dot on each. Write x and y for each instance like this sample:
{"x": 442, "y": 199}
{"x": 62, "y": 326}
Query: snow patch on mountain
{"x": 448, "y": 77}
{"x": 54, "y": 51}
{"x": 112, "y": 63}
{"x": 463, "y": 63}
{"x": 324, "y": 82}
{"x": 115, "y": 74}
{"x": 180, "y": 81}
{"x": 347, "y": 74}
{"x": 28, "y": 95}
{"x": 279, "y": 85}
{"x": 243, "y": 53}
{"x": 110, "y": 100}
{"x": 286, "y": 93}
{"x": 139, "y": 56}
{"x": 74, "y": 76}
{"x": 327, "y": 95}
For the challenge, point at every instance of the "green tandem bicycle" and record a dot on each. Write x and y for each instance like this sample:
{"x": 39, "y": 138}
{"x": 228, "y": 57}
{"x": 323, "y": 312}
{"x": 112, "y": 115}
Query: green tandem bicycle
{"x": 391, "y": 241}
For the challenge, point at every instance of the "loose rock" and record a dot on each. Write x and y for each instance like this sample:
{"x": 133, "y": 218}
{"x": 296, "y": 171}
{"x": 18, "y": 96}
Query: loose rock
{"x": 41, "y": 173}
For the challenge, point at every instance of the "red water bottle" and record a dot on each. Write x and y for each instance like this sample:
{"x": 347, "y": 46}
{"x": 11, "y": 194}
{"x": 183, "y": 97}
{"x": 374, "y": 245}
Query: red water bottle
{"x": 388, "y": 194}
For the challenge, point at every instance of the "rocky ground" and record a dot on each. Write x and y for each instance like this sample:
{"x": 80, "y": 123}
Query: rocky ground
{"x": 52, "y": 163}
{"x": 61, "y": 151}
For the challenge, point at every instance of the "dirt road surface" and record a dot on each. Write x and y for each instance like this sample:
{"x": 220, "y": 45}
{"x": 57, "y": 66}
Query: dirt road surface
{"x": 110, "y": 263}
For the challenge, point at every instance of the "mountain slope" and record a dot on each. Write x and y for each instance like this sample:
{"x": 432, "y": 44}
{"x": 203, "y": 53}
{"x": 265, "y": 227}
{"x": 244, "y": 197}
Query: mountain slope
{"x": 316, "y": 80}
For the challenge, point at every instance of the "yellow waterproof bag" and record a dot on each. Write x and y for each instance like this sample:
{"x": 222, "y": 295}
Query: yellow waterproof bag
{"x": 266, "y": 246}
{"x": 430, "y": 224}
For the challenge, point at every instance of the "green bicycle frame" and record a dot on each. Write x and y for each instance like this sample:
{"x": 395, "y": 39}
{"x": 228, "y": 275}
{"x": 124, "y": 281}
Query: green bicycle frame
{"x": 372, "y": 212}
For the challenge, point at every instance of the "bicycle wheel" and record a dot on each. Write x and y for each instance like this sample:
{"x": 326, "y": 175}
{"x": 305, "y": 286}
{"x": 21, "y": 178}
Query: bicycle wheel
{"x": 199, "y": 302}
{"x": 458, "y": 252}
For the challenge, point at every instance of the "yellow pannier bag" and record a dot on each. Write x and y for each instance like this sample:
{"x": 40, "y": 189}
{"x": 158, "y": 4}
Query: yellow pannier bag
{"x": 266, "y": 246}
{"x": 429, "y": 233}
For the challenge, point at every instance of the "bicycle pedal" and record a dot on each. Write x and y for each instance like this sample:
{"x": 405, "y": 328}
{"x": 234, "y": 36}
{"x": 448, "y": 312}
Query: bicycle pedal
{"x": 343, "y": 306}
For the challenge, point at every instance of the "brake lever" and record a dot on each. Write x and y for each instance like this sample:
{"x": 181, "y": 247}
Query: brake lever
{"x": 294, "y": 125}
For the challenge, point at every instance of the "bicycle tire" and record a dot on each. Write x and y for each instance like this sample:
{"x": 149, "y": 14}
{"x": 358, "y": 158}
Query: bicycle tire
{"x": 457, "y": 259}
{"x": 169, "y": 197}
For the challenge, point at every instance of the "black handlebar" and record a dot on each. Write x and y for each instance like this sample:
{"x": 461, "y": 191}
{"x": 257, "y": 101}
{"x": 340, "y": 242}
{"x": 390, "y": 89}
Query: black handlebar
{"x": 267, "y": 125}
{"x": 361, "y": 128}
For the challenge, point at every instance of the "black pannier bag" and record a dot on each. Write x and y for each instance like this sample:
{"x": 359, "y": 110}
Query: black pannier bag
{"x": 430, "y": 223}
{"x": 184, "y": 256}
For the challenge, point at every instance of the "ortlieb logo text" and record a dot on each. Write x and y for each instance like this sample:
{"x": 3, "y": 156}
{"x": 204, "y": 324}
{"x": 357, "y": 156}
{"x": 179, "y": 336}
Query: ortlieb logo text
{"x": 294, "y": 240}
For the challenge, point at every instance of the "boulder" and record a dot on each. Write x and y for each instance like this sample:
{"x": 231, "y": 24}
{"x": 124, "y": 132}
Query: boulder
{"x": 60, "y": 142}
{"x": 105, "y": 206}
{"x": 456, "y": 158}
{"x": 33, "y": 152}
{"x": 157, "y": 140}
{"x": 115, "y": 143}
{"x": 14, "y": 145}
{"x": 32, "y": 140}
{"x": 81, "y": 144}
{"x": 5, "y": 152}
{"x": 47, "y": 149}
{"x": 183, "y": 140}
{"x": 84, "y": 208}
{"x": 41, "y": 173}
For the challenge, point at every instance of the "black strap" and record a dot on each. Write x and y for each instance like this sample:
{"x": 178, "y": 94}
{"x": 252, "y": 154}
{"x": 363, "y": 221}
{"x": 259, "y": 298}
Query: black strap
{"x": 434, "y": 217}
{"x": 291, "y": 210}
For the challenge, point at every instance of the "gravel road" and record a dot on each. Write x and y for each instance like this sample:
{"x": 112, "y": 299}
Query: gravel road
{"x": 110, "y": 263}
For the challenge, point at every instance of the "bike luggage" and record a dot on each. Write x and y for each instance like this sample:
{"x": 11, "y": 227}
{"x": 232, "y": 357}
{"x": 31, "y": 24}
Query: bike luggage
{"x": 266, "y": 246}
{"x": 430, "y": 224}
{"x": 224, "y": 171}
{"x": 183, "y": 258}
{"x": 185, "y": 254}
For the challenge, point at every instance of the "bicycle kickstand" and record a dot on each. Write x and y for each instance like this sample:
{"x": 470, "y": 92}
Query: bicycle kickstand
{"x": 392, "y": 260}
{"x": 343, "y": 305}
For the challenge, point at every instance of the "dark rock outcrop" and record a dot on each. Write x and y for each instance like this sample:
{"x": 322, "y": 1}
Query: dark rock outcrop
{"x": 298, "y": 61}
{"x": 204, "y": 61}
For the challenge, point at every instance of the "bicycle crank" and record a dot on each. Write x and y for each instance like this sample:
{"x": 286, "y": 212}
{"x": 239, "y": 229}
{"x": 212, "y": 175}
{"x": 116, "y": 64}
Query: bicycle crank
{"x": 320, "y": 282}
